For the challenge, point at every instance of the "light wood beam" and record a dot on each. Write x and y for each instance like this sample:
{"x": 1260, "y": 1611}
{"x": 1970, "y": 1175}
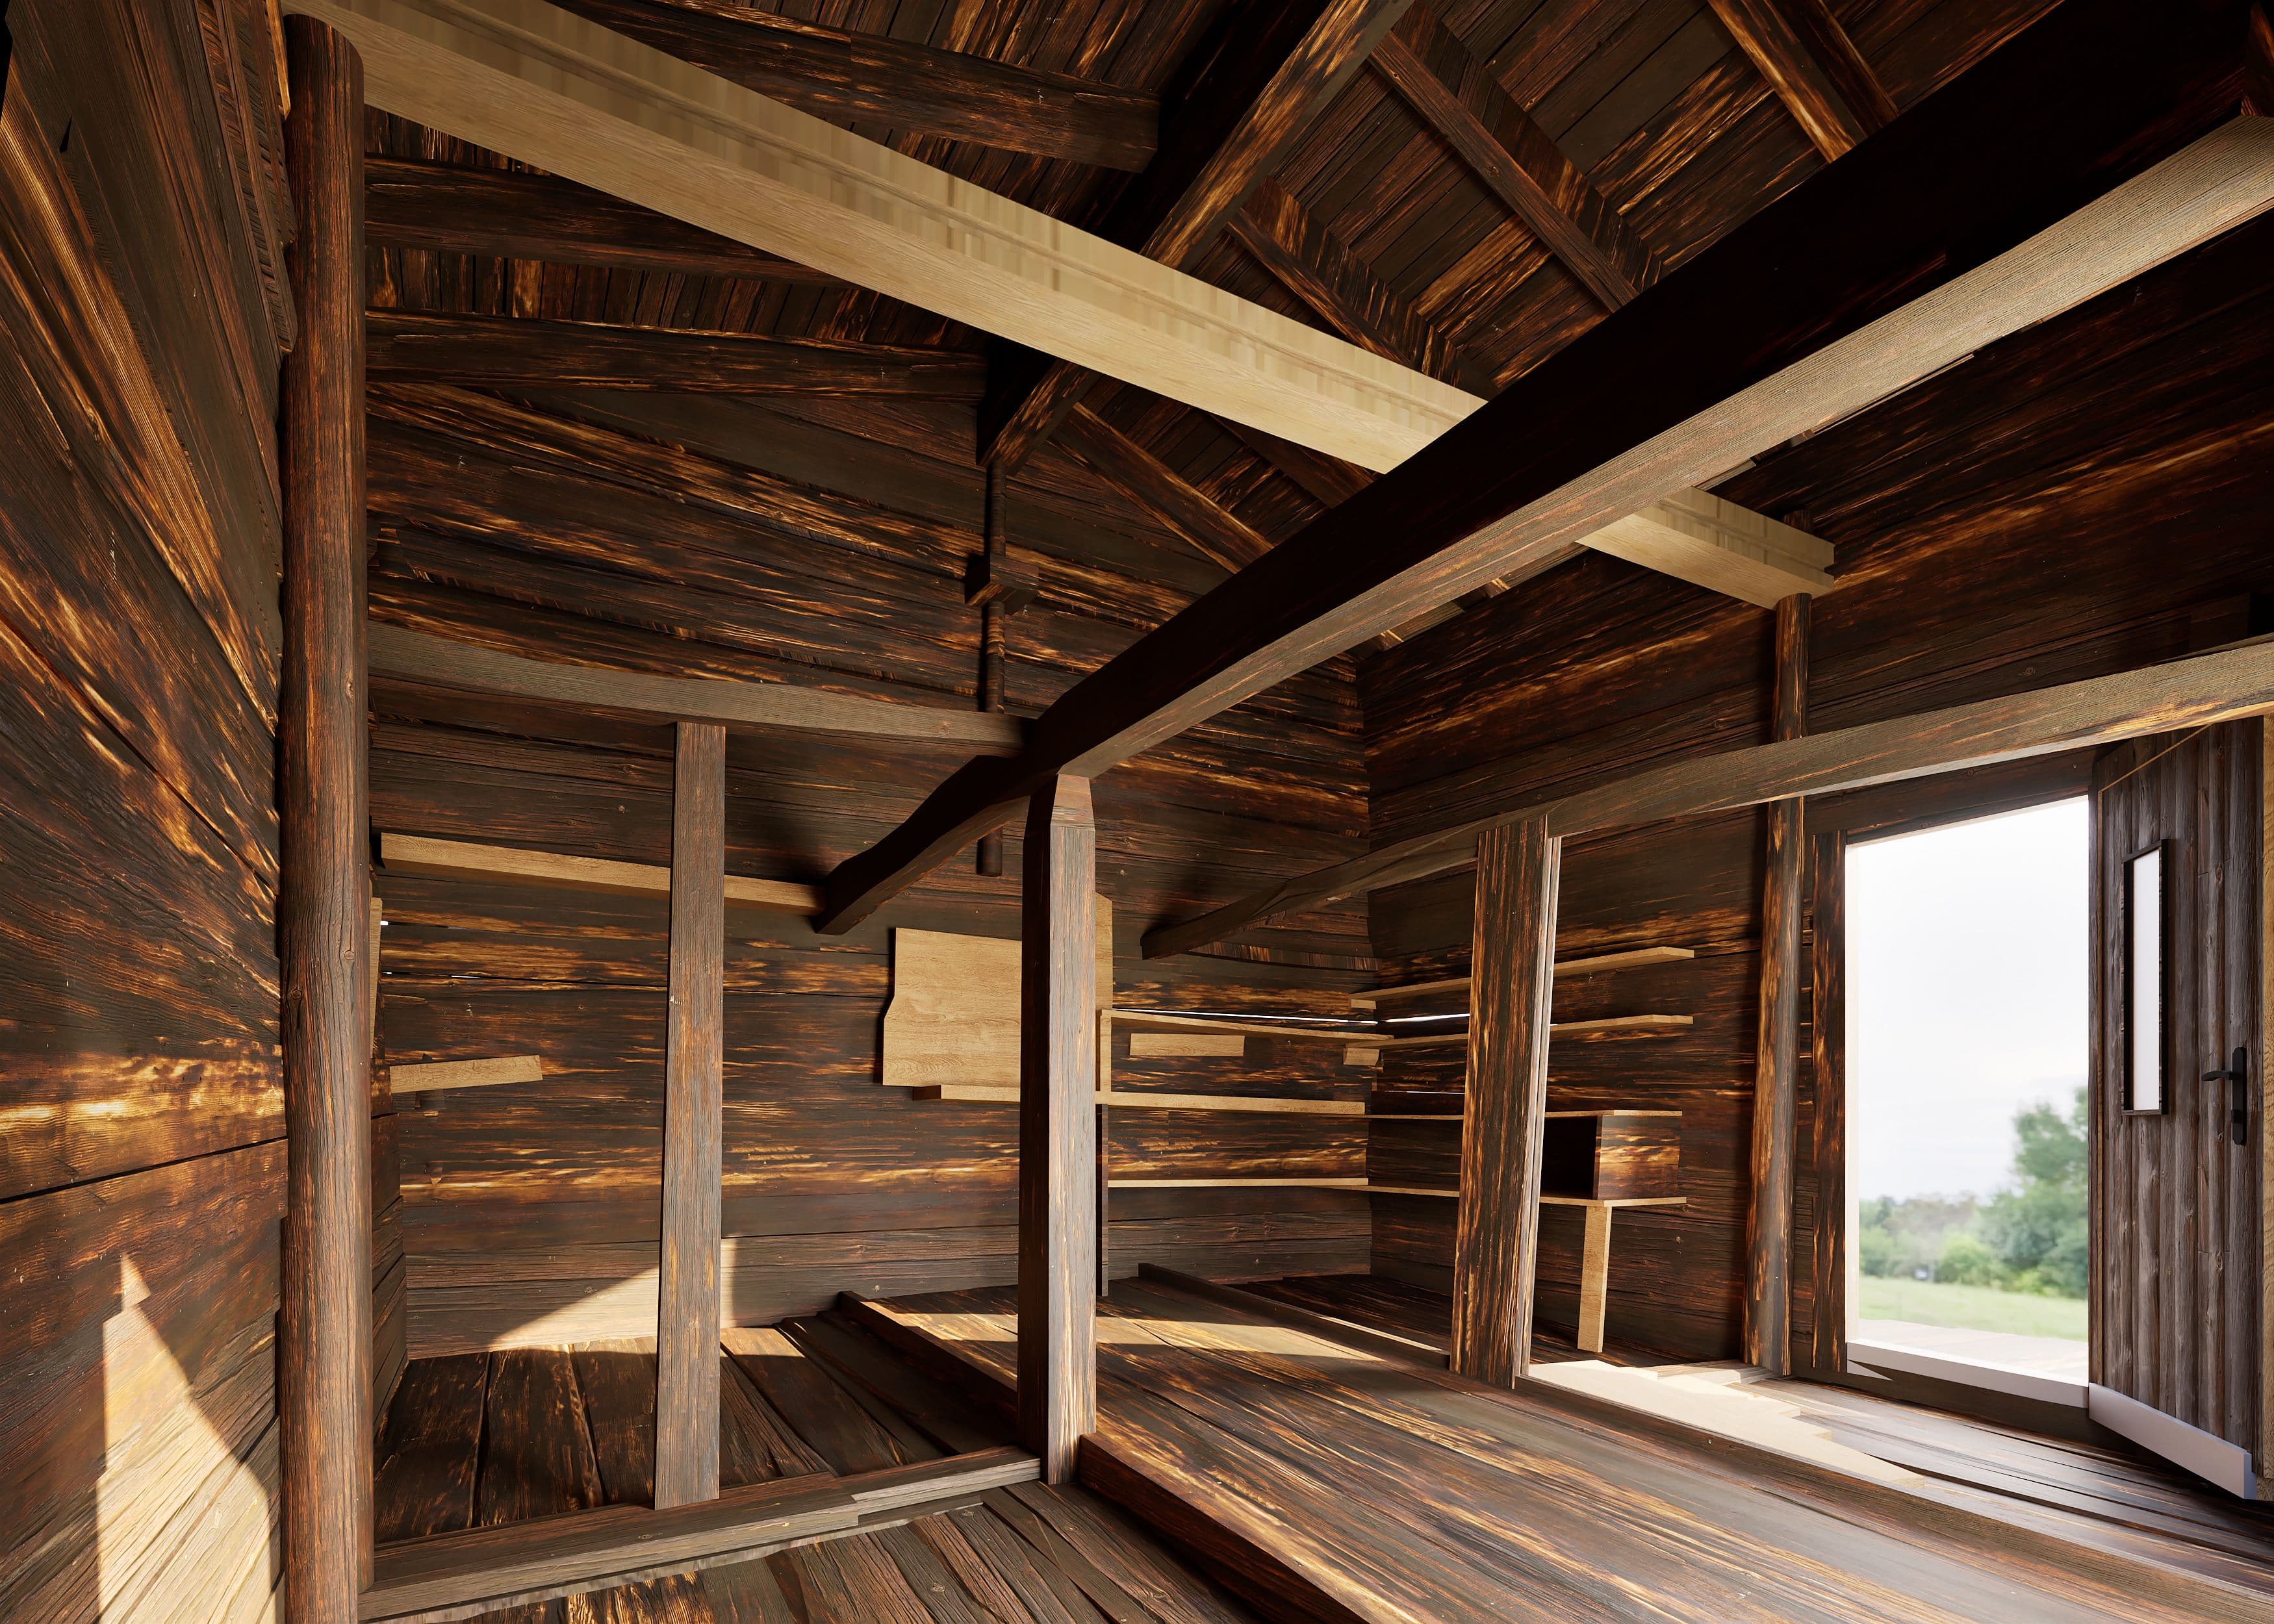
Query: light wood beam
{"x": 426, "y": 660}
{"x": 509, "y": 865}
{"x": 843, "y": 75}
{"x": 490, "y": 352}
{"x": 1814, "y": 66}
{"x": 323, "y": 899}
{"x": 437, "y": 1076}
{"x": 1057, "y": 1128}
{"x": 2191, "y": 693}
{"x": 1697, "y": 537}
{"x": 2082, "y": 105}
{"x": 1768, "y": 1247}
{"x": 687, "y": 1316}
{"x": 1212, "y": 532}
{"x": 1458, "y": 97}
{"x": 1496, "y": 1242}
{"x": 514, "y": 214}
{"x": 1270, "y": 66}
{"x": 532, "y": 81}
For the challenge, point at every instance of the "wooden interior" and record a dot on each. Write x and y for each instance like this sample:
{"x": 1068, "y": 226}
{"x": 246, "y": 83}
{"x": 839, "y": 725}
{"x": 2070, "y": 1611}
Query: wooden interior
{"x": 999, "y": 812}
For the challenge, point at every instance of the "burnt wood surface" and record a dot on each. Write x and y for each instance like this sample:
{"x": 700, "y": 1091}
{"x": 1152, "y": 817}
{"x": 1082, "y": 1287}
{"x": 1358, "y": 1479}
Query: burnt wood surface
{"x": 687, "y": 1323}
{"x": 1443, "y": 523}
{"x": 1814, "y": 67}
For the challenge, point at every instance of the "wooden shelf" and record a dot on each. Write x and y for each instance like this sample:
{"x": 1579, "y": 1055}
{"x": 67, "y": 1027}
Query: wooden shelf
{"x": 974, "y": 1092}
{"x": 1609, "y": 1026}
{"x": 1238, "y": 1184}
{"x": 1379, "y": 1038}
{"x": 1597, "y": 964}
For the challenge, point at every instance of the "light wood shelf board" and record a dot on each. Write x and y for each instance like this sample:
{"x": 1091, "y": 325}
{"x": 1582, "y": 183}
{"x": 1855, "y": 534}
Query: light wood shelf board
{"x": 1598, "y": 964}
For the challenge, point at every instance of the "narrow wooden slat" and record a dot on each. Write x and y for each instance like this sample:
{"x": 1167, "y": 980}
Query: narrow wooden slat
{"x": 1814, "y": 66}
{"x": 1595, "y": 964}
{"x": 1215, "y": 533}
{"x": 514, "y": 214}
{"x": 844, "y": 75}
{"x": 465, "y": 1575}
{"x": 324, "y": 1348}
{"x": 1497, "y": 1239}
{"x": 429, "y": 661}
{"x": 465, "y": 859}
{"x": 493, "y": 352}
{"x": 1768, "y": 1247}
{"x": 1828, "y": 1055}
{"x": 687, "y": 1321}
{"x": 432, "y": 1076}
{"x": 1458, "y": 96}
{"x": 1057, "y": 1128}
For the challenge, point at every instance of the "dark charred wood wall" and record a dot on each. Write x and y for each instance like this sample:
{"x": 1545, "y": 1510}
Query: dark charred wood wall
{"x": 799, "y": 540}
{"x": 142, "y": 217}
{"x": 2086, "y": 497}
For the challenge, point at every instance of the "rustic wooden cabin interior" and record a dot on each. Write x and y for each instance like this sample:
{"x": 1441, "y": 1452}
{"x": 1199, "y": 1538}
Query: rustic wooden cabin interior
{"x": 1017, "y": 813}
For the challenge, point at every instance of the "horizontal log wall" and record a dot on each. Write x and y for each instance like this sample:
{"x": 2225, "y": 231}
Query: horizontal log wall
{"x": 141, "y": 1151}
{"x": 2082, "y": 499}
{"x": 823, "y": 553}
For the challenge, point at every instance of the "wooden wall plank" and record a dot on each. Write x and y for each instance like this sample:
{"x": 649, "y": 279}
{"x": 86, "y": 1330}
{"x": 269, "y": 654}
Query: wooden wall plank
{"x": 686, "y": 1324}
{"x": 1058, "y": 1129}
{"x": 1496, "y": 1257}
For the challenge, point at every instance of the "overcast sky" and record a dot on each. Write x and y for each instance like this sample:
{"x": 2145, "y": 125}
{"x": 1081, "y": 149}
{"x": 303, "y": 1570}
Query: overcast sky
{"x": 1966, "y": 994}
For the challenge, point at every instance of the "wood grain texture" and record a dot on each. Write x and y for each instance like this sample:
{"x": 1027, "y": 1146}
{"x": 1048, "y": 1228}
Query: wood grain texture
{"x": 1457, "y": 95}
{"x": 534, "y": 82}
{"x": 1466, "y": 510}
{"x": 844, "y": 75}
{"x": 1814, "y": 66}
{"x": 958, "y": 1009}
{"x": 1769, "y": 1229}
{"x": 416, "y": 854}
{"x": 2265, "y": 1447}
{"x": 492, "y": 1072}
{"x": 686, "y": 1319}
{"x": 1832, "y": 1265}
{"x": 1494, "y": 1256}
{"x": 324, "y": 894}
{"x": 1222, "y": 537}
{"x": 1058, "y": 1129}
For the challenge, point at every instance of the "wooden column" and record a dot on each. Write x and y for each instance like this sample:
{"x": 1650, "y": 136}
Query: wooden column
{"x": 1768, "y": 1272}
{"x": 999, "y": 589}
{"x": 1512, "y": 976}
{"x": 323, "y": 1363}
{"x": 1057, "y": 1128}
{"x": 686, "y": 1312}
{"x": 1828, "y": 1031}
{"x": 991, "y": 700}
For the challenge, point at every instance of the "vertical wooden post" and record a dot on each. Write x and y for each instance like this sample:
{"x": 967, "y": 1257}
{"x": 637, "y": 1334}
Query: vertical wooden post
{"x": 687, "y": 1314}
{"x": 998, "y": 592}
{"x": 990, "y": 700}
{"x": 1835, "y": 1265}
{"x": 324, "y": 888}
{"x": 1057, "y": 1128}
{"x": 1768, "y": 1272}
{"x": 1512, "y": 978}
{"x": 2264, "y": 1125}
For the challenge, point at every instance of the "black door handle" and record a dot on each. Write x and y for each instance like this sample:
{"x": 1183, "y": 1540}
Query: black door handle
{"x": 2239, "y": 1074}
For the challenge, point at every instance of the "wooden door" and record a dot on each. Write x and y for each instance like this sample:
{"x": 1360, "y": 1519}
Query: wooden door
{"x": 2178, "y": 1294}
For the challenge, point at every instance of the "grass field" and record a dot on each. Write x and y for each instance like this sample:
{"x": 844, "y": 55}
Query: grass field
{"x": 1976, "y": 1308}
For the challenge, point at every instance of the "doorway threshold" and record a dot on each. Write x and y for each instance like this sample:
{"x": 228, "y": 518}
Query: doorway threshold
{"x": 2046, "y": 1368}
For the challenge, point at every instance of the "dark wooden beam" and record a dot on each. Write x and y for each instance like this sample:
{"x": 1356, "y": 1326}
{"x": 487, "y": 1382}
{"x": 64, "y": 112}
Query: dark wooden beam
{"x": 1319, "y": 268}
{"x": 1213, "y": 531}
{"x": 323, "y": 901}
{"x": 423, "y": 660}
{"x": 504, "y": 351}
{"x": 1328, "y": 481}
{"x": 1458, "y": 97}
{"x": 1768, "y": 1273}
{"x": 836, "y": 73}
{"x": 1000, "y": 590}
{"x": 686, "y": 1314}
{"x": 522, "y": 1564}
{"x": 2189, "y": 693}
{"x": 2258, "y": 91}
{"x": 1814, "y": 66}
{"x": 1828, "y": 1024}
{"x": 1512, "y": 978}
{"x": 1250, "y": 92}
{"x": 1057, "y": 1128}
{"x": 1823, "y": 302}
{"x": 514, "y": 214}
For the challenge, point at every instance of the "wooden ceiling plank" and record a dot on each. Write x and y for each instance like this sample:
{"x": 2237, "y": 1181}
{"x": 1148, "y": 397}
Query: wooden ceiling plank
{"x": 1458, "y": 97}
{"x": 401, "y": 654}
{"x": 512, "y": 215}
{"x": 1814, "y": 66}
{"x": 1319, "y": 268}
{"x": 1741, "y": 352}
{"x": 842, "y": 75}
{"x": 1161, "y": 491}
{"x": 506, "y": 351}
{"x": 531, "y": 81}
{"x": 1329, "y": 481}
{"x": 2191, "y": 693}
{"x": 1261, "y": 75}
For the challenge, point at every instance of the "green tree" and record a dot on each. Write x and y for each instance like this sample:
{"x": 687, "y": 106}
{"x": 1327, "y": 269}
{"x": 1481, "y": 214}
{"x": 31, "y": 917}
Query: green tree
{"x": 2039, "y": 1229}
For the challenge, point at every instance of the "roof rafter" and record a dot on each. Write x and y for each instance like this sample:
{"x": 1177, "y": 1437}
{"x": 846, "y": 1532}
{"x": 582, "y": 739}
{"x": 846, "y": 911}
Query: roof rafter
{"x": 1213, "y": 531}
{"x": 1814, "y": 68}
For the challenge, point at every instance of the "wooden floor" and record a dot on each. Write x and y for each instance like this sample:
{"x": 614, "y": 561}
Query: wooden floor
{"x": 487, "y": 1439}
{"x": 1323, "y": 1481}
